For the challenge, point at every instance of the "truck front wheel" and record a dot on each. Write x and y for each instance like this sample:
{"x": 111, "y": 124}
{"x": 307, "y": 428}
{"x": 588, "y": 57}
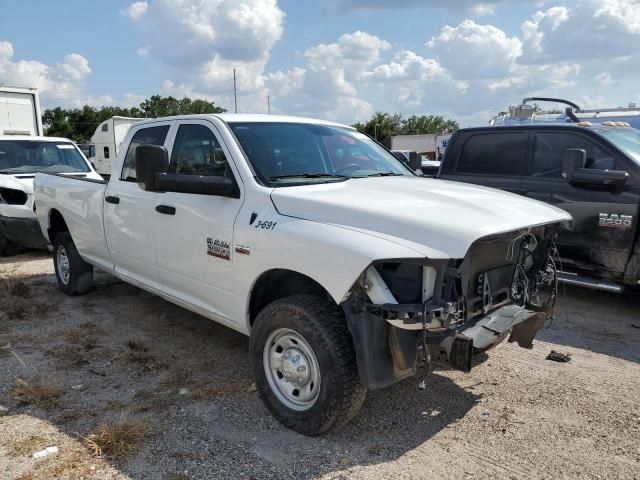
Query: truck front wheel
{"x": 74, "y": 275}
{"x": 304, "y": 363}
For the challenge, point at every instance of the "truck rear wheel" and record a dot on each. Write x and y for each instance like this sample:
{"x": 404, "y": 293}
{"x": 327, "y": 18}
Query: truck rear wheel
{"x": 74, "y": 275}
{"x": 304, "y": 362}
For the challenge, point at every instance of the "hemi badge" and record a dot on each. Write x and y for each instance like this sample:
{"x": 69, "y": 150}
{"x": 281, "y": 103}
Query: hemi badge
{"x": 242, "y": 250}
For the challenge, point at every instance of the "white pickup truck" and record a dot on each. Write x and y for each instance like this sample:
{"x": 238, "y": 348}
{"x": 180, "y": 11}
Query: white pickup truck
{"x": 343, "y": 267}
{"x": 21, "y": 157}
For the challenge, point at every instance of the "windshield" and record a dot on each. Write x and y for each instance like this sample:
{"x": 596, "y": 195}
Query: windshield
{"x": 294, "y": 153}
{"x": 25, "y": 156}
{"x": 626, "y": 139}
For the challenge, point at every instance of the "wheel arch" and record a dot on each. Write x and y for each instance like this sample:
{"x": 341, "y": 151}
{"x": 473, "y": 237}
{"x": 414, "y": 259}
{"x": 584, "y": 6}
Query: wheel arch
{"x": 57, "y": 224}
{"x": 278, "y": 283}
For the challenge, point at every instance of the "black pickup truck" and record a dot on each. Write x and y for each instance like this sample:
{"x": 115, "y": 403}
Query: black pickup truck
{"x": 591, "y": 171}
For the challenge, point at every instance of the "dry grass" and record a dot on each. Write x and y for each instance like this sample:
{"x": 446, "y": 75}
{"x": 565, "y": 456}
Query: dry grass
{"x": 43, "y": 395}
{"x": 137, "y": 352}
{"x": 177, "y": 476}
{"x": 205, "y": 390}
{"x": 79, "y": 337}
{"x": 70, "y": 356}
{"x": 14, "y": 298}
{"x": 26, "y": 446}
{"x": 27, "y": 476}
{"x": 116, "y": 440}
{"x": 73, "y": 467}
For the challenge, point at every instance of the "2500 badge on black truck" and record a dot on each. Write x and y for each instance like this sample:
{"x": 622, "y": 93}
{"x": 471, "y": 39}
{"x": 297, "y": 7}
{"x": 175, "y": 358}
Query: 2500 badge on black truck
{"x": 591, "y": 171}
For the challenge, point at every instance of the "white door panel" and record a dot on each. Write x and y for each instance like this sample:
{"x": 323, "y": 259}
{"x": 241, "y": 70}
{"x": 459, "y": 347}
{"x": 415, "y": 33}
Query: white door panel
{"x": 194, "y": 243}
{"x": 129, "y": 213}
{"x": 129, "y": 229}
{"x": 194, "y": 249}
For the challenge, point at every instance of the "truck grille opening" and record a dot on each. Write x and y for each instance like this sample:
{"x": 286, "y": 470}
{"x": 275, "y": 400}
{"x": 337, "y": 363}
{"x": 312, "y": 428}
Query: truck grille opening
{"x": 12, "y": 197}
{"x": 491, "y": 274}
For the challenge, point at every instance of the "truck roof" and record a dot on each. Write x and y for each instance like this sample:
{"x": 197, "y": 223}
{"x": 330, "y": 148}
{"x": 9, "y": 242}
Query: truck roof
{"x": 34, "y": 138}
{"x": 544, "y": 126}
{"x": 250, "y": 118}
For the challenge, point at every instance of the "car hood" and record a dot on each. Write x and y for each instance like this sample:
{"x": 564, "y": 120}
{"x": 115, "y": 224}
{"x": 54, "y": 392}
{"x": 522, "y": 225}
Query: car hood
{"x": 23, "y": 183}
{"x": 436, "y": 217}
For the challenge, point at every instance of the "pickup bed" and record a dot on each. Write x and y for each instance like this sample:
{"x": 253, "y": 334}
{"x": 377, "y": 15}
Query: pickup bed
{"x": 590, "y": 170}
{"x": 342, "y": 266}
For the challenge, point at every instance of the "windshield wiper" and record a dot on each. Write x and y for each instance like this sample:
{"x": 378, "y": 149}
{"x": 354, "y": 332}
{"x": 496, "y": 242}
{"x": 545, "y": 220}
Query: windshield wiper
{"x": 384, "y": 174}
{"x": 308, "y": 175}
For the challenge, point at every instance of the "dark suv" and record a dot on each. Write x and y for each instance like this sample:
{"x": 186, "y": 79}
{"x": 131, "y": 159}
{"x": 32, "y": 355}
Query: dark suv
{"x": 591, "y": 171}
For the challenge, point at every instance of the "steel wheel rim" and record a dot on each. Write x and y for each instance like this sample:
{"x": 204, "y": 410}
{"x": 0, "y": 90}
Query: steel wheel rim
{"x": 292, "y": 369}
{"x": 62, "y": 260}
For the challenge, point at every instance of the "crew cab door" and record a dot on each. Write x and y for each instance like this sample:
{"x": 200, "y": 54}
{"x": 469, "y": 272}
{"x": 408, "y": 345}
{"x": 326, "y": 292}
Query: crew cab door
{"x": 128, "y": 212}
{"x": 602, "y": 246}
{"x": 194, "y": 232}
{"x": 492, "y": 158}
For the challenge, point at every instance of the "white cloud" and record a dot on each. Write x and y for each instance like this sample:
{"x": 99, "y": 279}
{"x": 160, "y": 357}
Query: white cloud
{"x": 63, "y": 81}
{"x": 592, "y": 29}
{"x": 476, "y": 7}
{"x": 75, "y": 67}
{"x": 493, "y": 53}
{"x": 143, "y": 52}
{"x": 469, "y": 70}
{"x": 190, "y": 32}
{"x": 136, "y": 10}
{"x": 201, "y": 42}
{"x": 624, "y": 12}
{"x": 483, "y": 9}
{"x": 606, "y": 79}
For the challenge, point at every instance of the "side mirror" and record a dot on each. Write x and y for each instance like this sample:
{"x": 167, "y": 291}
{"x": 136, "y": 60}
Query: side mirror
{"x": 415, "y": 161}
{"x": 196, "y": 184}
{"x": 573, "y": 159}
{"x": 400, "y": 156}
{"x": 150, "y": 159}
{"x": 591, "y": 176}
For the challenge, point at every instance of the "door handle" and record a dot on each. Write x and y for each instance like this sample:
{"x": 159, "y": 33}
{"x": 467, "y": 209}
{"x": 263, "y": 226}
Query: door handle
{"x": 166, "y": 209}
{"x": 110, "y": 199}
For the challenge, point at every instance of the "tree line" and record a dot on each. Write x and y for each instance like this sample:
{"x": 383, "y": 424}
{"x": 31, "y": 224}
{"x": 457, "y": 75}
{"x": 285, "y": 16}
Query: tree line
{"x": 79, "y": 124}
{"x": 382, "y": 126}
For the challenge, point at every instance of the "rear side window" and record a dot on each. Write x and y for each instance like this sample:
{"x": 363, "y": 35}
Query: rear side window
{"x": 549, "y": 149}
{"x": 493, "y": 154}
{"x": 144, "y": 136}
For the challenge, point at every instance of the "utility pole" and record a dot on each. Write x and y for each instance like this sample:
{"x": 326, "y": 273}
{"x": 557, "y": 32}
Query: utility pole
{"x": 268, "y": 105}
{"x": 235, "y": 91}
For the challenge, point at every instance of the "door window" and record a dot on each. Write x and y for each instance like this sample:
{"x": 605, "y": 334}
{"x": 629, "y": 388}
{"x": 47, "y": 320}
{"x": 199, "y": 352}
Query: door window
{"x": 549, "y": 148}
{"x": 197, "y": 152}
{"x": 493, "y": 154}
{"x": 144, "y": 136}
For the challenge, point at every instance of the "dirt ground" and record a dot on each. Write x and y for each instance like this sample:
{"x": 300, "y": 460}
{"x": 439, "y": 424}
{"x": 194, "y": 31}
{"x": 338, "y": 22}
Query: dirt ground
{"x": 120, "y": 354}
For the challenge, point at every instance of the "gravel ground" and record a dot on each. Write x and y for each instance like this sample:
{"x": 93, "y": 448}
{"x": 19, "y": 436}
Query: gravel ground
{"x": 516, "y": 415}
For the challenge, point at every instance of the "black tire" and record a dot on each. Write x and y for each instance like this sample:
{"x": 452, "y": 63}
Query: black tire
{"x": 322, "y": 326}
{"x": 5, "y": 246}
{"x": 75, "y": 278}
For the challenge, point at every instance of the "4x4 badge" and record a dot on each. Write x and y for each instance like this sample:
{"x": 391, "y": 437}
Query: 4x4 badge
{"x": 615, "y": 220}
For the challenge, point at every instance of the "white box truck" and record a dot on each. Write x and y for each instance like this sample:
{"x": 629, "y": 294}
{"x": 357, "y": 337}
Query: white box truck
{"x": 106, "y": 140}
{"x": 20, "y": 111}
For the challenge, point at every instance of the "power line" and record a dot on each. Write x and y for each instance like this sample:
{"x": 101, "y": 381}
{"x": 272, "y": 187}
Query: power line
{"x": 235, "y": 91}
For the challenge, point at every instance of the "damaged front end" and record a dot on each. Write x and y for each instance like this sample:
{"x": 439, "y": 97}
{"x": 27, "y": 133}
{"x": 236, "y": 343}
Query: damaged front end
{"x": 451, "y": 309}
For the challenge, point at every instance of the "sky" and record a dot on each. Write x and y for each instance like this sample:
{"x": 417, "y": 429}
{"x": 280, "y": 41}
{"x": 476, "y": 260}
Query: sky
{"x": 341, "y": 60}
